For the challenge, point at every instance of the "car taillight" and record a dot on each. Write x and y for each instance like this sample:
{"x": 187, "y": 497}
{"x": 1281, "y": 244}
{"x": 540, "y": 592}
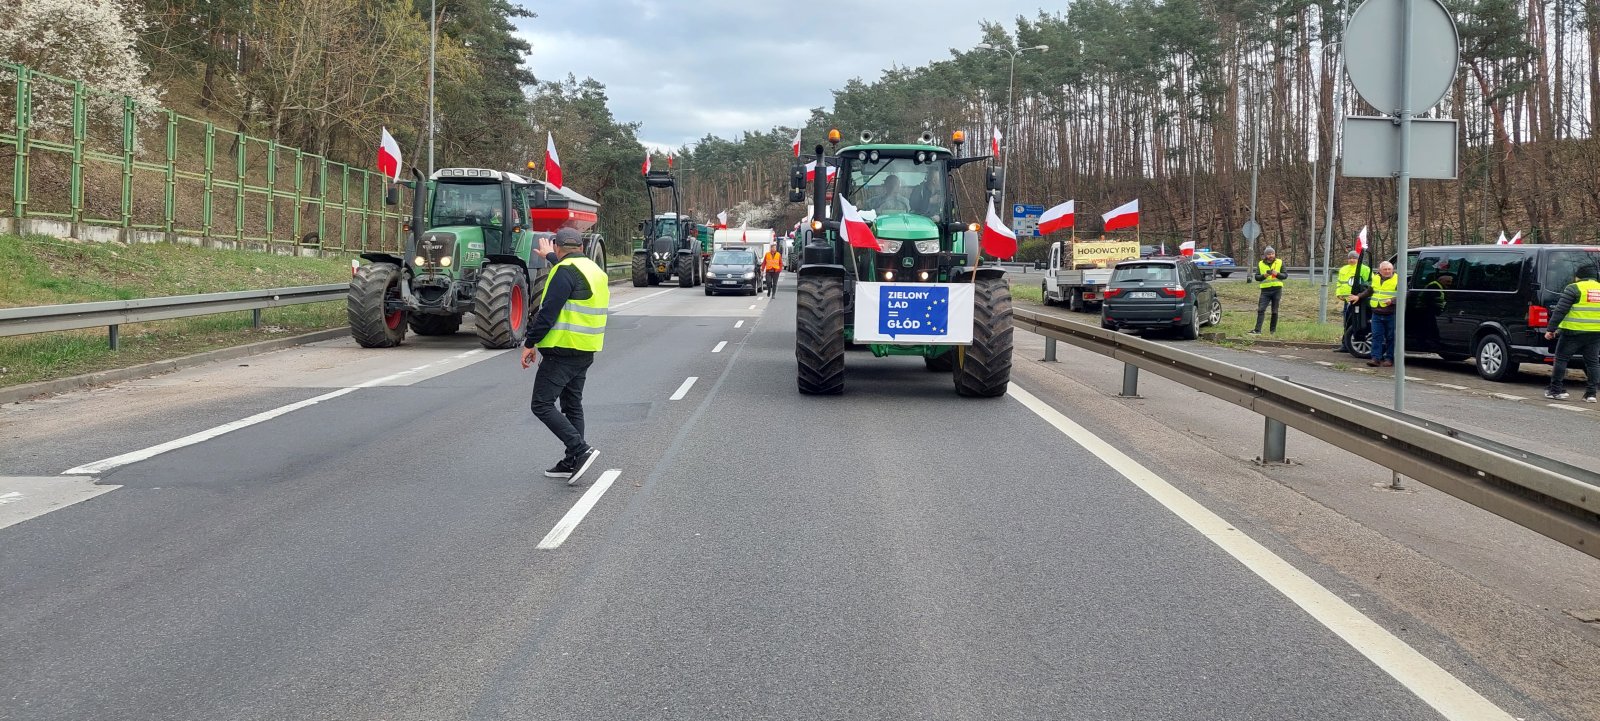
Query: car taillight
{"x": 1177, "y": 292}
{"x": 1112, "y": 292}
{"x": 1538, "y": 316}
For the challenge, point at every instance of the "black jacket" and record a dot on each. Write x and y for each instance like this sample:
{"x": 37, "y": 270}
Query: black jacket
{"x": 567, "y": 284}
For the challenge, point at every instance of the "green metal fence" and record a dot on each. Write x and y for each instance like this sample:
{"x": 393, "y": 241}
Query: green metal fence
{"x": 97, "y": 159}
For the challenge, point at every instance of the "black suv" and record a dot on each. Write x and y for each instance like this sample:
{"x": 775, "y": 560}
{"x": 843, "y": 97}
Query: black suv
{"x": 1160, "y": 293}
{"x": 1486, "y": 302}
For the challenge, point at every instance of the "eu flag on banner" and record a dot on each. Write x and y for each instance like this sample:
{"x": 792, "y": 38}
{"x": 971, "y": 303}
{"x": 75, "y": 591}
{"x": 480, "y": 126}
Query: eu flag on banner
{"x": 913, "y": 310}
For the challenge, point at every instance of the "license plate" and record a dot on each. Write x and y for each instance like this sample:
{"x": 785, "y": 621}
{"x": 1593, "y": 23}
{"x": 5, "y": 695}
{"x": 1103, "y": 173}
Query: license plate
{"x": 1142, "y": 294}
{"x": 730, "y": 282}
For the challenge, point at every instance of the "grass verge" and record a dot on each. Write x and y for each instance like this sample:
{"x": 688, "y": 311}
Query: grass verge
{"x": 1297, "y": 313}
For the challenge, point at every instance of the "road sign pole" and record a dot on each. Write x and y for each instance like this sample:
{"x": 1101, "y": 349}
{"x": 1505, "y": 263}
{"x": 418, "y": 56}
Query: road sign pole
{"x": 1403, "y": 205}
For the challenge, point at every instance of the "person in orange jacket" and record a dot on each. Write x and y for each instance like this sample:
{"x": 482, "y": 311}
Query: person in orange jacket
{"x": 772, "y": 265}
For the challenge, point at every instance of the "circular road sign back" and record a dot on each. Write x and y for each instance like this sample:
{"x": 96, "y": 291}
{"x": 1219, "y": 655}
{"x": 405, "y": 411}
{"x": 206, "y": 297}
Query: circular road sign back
{"x": 1372, "y": 53}
{"x": 1251, "y": 230}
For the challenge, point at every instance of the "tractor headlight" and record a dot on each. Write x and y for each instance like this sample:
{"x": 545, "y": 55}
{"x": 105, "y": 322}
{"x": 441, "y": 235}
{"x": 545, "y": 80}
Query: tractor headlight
{"x": 444, "y": 262}
{"x": 888, "y": 275}
{"x": 872, "y": 156}
{"x": 419, "y": 260}
{"x": 927, "y": 247}
{"x": 922, "y": 157}
{"x": 751, "y": 274}
{"x": 889, "y": 246}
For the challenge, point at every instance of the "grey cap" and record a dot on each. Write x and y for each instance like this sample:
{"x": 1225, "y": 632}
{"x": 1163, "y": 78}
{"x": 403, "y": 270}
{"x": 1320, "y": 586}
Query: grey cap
{"x": 1352, "y": 255}
{"x": 569, "y": 238}
{"x": 1268, "y": 249}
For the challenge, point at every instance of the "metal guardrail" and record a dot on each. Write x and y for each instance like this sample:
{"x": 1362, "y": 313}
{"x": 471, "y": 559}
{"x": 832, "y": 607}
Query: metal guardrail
{"x": 112, "y": 313}
{"x": 1547, "y": 496}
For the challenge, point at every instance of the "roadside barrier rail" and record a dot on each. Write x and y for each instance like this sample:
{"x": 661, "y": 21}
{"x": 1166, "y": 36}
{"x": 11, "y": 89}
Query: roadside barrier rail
{"x": 113, "y": 313}
{"x": 1547, "y": 496}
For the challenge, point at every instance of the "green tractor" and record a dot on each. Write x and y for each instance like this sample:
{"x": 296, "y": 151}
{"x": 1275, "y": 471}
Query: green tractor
{"x": 471, "y": 249}
{"x": 670, "y": 248}
{"x": 907, "y": 296}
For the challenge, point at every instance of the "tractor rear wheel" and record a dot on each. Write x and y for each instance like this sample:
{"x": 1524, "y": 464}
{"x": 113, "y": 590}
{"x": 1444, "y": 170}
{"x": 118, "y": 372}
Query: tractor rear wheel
{"x": 985, "y": 372}
{"x": 435, "y": 324}
{"x": 686, "y": 271}
{"x": 641, "y": 271}
{"x": 597, "y": 252}
{"x": 819, "y": 335}
{"x": 500, "y": 306}
{"x": 370, "y": 324}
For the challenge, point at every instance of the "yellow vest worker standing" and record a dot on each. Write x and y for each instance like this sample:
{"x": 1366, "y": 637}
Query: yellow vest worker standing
{"x": 772, "y": 265}
{"x": 569, "y": 330}
{"x": 1269, "y": 272}
{"x": 1354, "y": 277}
{"x": 1576, "y": 318}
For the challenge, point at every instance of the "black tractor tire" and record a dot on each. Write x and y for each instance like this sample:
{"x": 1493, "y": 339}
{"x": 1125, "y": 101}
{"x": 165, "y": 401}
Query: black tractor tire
{"x": 370, "y": 325}
{"x": 686, "y": 271}
{"x": 941, "y": 363}
{"x": 597, "y": 252}
{"x": 819, "y": 335}
{"x": 435, "y": 324}
{"x": 985, "y": 372}
{"x": 641, "y": 271}
{"x": 1494, "y": 360}
{"x": 500, "y": 307}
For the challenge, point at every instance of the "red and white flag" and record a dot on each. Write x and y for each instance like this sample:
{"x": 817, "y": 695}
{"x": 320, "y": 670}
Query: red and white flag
{"x": 552, "y": 162}
{"x": 389, "y": 156}
{"x": 811, "y": 172}
{"x": 994, "y": 143}
{"x": 1123, "y": 216}
{"x": 855, "y": 230}
{"x": 1060, "y": 217}
{"x": 1515, "y": 239}
{"x": 722, "y": 218}
{"x": 645, "y": 169}
{"x": 1186, "y": 248}
{"x": 1502, "y": 239}
{"x": 997, "y": 240}
{"x": 796, "y": 142}
{"x": 1361, "y": 241}
{"x": 669, "y": 159}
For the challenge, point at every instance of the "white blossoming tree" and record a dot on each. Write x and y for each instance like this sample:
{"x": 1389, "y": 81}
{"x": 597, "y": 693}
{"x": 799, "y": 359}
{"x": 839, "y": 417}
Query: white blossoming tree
{"x": 89, "y": 40}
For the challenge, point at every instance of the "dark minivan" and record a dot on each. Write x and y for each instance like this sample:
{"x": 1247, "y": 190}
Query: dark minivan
{"x": 1168, "y": 293}
{"x": 1490, "y": 303}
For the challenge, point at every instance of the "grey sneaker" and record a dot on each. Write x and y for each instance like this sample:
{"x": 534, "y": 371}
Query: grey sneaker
{"x": 581, "y": 463}
{"x": 1557, "y": 395}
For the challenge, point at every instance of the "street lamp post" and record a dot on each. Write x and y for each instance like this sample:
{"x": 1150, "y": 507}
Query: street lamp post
{"x": 433, "y": 43}
{"x": 1011, "y": 110}
{"x": 1333, "y": 155}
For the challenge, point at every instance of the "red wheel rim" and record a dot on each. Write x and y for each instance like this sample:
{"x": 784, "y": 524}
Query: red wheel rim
{"x": 393, "y": 319}
{"x": 516, "y": 308}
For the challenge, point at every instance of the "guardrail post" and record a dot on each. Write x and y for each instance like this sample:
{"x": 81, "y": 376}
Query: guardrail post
{"x": 1273, "y": 445}
{"x": 1130, "y": 380}
{"x": 1049, "y": 350}
{"x": 255, "y": 318}
{"x": 111, "y": 336}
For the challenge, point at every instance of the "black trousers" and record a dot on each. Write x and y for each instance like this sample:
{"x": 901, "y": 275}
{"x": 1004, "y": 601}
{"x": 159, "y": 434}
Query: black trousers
{"x": 1269, "y": 296}
{"x": 1570, "y": 344}
{"x": 772, "y": 283}
{"x": 561, "y": 379}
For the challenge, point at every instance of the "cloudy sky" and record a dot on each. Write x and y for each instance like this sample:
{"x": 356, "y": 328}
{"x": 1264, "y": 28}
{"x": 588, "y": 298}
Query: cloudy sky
{"x": 684, "y": 68}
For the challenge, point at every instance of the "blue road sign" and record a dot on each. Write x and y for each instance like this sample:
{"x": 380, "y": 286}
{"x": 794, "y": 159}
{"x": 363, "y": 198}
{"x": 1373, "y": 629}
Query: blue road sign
{"x": 1025, "y": 219}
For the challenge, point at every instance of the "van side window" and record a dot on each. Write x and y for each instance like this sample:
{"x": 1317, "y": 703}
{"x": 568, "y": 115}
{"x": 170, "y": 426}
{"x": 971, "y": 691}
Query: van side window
{"x": 1497, "y": 272}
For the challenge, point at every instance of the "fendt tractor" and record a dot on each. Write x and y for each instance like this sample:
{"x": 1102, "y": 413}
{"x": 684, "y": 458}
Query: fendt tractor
{"x": 906, "y": 296}
{"x": 471, "y": 249}
{"x": 671, "y": 247}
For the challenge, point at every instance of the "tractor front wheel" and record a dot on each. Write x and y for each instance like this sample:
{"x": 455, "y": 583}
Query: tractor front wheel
{"x": 686, "y": 271}
{"x": 819, "y": 335}
{"x": 371, "y": 288}
{"x": 500, "y": 306}
{"x": 985, "y": 371}
{"x": 641, "y": 271}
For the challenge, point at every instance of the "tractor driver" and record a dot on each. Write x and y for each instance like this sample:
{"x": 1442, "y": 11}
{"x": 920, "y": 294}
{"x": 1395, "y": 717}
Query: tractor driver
{"x": 892, "y": 200}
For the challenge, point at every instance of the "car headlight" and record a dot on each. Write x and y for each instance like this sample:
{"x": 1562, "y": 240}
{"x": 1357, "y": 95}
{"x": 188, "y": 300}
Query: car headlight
{"x": 419, "y": 260}
{"x": 927, "y": 247}
{"x": 889, "y": 246}
{"x": 748, "y": 276}
{"x": 445, "y": 261}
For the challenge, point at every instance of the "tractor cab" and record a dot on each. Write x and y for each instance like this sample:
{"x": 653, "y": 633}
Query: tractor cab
{"x": 669, "y": 240}
{"x": 474, "y": 215}
{"x": 903, "y": 192}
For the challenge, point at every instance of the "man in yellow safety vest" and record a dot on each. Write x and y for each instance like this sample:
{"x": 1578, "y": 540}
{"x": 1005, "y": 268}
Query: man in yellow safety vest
{"x": 569, "y": 330}
{"x": 1576, "y": 319}
{"x": 1381, "y": 296}
{"x": 1269, "y": 272}
{"x": 1354, "y": 276}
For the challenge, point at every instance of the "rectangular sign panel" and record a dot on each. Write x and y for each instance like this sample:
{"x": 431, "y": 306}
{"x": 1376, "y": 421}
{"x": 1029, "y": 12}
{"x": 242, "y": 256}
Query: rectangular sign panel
{"x": 1102, "y": 253}
{"x": 1372, "y": 148}
{"x": 1025, "y": 220}
{"x": 913, "y": 313}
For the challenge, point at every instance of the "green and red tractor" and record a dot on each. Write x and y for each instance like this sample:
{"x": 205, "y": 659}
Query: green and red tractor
{"x": 905, "y": 193}
{"x": 472, "y": 250}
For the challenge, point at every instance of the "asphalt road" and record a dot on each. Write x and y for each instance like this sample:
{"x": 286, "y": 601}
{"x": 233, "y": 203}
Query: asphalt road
{"x": 888, "y": 554}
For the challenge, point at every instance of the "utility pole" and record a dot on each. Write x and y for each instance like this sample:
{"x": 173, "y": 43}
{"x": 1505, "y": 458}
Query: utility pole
{"x": 1255, "y": 170}
{"x": 433, "y": 48}
{"x": 1333, "y": 168}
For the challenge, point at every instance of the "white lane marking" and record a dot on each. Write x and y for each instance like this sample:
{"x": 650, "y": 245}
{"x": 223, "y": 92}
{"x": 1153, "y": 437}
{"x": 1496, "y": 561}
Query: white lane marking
{"x": 1508, "y": 397}
{"x": 1324, "y": 363}
{"x": 564, "y": 527}
{"x": 1436, "y": 687}
{"x": 12, "y": 497}
{"x": 636, "y": 300}
{"x": 35, "y": 496}
{"x": 1451, "y": 386}
{"x": 740, "y": 324}
{"x": 1565, "y": 407}
{"x": 720, "y": 346}
{"x": 106, "y": 464}
{"x": 683, "y": 390}
{"x": 752, "y": 306}
{"x": 1289, "y": 356}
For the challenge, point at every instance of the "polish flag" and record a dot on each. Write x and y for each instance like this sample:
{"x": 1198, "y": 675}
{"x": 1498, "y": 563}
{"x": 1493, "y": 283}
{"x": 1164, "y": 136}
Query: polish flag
{"x": 997, "y": 240}
{"x": 1186, "y": 248}
{"x": 552, "y": 162}
{"x": 811, "y": 172}
{"x": 1123, "y": 216}
{"x": 1062, "y": 216}
{"x": 389, "y": 156}
{"x": 669, "y": 159}
{"x": 1361, "y": 241}
{"x": 722, "y": 218}
{"x": 1515, "y": 239}
{"x": 994, "y": 143}
{"x": 855, "y": 230}
{"x": 1502, "y": 239}
{"x": 646, "y": 166}
{"x": 796, "y": 142}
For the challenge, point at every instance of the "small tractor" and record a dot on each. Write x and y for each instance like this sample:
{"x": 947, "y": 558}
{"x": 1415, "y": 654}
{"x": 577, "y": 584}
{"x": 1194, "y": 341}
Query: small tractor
{"x": 471, "y": 248}
{"x": 671, "y": 246}
{"x": 905, "y": 296}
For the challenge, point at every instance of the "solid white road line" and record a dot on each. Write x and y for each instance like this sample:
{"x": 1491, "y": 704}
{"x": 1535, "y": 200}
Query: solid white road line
{"x": 739, "y": 324}
{"x": 683, "y": 390}
{"x": 636, "y": 300}
{"x": 1451, "y": 386}
{"x": 1567, "y": 407}
{"x": 31, "y": 497}
{"x": 142, "y": 454}
{"x": 1508, "y": 397}
{"x": 720, "y": 346}
{"x": 1323, "y": 363}
{"x": 1445, "y": 693}
{"x": 580, "y": 509}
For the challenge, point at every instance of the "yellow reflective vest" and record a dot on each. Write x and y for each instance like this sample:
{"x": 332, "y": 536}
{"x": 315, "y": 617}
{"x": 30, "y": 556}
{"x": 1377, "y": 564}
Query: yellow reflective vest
{"x": 581, "y": 324}
{"x": 1584, "y": 317}
{"x": 1347, "y": 275}
{"x": 1277, "y": 267}
{"x": 1383, "y": 290}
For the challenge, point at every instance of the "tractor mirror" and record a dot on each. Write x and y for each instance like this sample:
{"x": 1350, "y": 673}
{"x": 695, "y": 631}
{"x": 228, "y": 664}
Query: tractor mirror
{"x": 797, "y": 196}
{"x": 642, "y": 225}
{"x": 797, "y": 176}
{"x": 392, "y": 195}
{"x": 991, "y": 181}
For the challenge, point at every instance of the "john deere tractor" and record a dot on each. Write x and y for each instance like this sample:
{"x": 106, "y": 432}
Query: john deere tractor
{"x": 671, "y": 247}
{"x": 470, "y": 249}
{"x": 923, "y": 257}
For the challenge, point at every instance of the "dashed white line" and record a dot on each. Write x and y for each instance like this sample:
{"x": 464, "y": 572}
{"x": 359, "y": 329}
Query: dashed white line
{"x": 564, "y": 527}
{"x": 1566, "y": 407}
{"x": 11, "y": 497}
{"x": 752, "y": 306}
{"x": 683, "y": 390}
{"x": 720, "y": 346}
{"x": 636, "y": 300}
{"x": 1433, "y": 685}
{"x": 1451, "y": 386}
{"x": 740, "y": 324}
{"x": 1508, "y": 397}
